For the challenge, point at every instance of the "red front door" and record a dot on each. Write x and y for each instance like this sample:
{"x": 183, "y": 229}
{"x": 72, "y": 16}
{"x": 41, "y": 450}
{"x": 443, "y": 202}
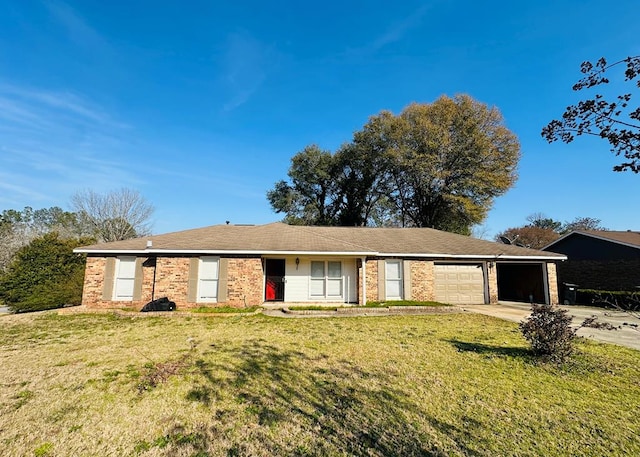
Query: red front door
{"x": 274, "y": 287}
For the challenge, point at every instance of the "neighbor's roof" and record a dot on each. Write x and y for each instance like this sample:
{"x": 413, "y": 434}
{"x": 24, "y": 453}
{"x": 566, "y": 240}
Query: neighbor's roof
{"x": 279, "y": 238}
{"x": 626, "y": 237}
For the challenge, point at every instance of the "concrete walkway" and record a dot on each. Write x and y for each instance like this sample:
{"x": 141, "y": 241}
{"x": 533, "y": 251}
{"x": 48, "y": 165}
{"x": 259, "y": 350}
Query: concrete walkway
{"x": 628, "y": 333}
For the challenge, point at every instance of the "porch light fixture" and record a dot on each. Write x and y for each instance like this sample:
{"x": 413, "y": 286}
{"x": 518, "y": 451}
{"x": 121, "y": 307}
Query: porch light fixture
{"x": 297, "y": 262}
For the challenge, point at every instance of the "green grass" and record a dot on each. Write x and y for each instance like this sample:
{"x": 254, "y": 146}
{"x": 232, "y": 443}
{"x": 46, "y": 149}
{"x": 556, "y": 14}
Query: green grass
{"x": 371, "y": 304}
{"x": 222, "y": 309}
{"x": 436, "y": 385}
{"x": 386, "y": 304}
{"x": 313, "y": 308}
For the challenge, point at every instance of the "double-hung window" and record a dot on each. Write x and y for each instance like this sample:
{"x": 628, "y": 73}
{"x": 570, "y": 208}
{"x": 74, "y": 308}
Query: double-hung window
{"x": 125, "y": 279}
{"x": 326, "y": 279}
{"x": 208, "y": 279}
{"x": 393, "y": 276}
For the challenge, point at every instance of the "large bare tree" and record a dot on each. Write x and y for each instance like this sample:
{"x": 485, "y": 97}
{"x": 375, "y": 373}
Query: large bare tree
{"x": 116, "y": 215}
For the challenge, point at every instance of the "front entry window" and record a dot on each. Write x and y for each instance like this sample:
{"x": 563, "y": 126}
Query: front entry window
{"x": 326, "y": 279}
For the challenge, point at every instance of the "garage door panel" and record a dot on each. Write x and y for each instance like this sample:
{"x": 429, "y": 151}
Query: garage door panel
{"x": 459, "y": 284}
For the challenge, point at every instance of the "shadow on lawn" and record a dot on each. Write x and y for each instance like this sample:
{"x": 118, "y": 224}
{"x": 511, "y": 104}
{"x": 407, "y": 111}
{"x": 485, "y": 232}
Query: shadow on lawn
{"x": 295, "y": 404}
{"x": 509, "y": 351}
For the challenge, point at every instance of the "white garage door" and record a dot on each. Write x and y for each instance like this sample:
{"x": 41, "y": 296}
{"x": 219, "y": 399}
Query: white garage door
{"x": 459, "y": 284}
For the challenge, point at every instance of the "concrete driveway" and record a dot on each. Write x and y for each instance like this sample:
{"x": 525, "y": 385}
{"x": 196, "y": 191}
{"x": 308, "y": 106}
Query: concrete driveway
{"x": 628, "y": 333}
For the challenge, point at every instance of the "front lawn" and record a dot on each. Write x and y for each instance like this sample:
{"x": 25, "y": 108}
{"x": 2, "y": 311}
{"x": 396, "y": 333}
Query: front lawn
{"x": 461, "y": 384}
{"x": 386, "y": 304}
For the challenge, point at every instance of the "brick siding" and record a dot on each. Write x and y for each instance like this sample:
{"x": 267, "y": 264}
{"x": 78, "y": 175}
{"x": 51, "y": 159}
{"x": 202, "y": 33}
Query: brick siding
{"x": 552, "y": 278}
{"x": 492, "y": 280}
{"x": 245, "y": 282}
{"x": 601, "y": 275}
{"x": 422, "y": 280}
{"x": 372, "y": 280}
{"x": 172, "y": 281}
{"x": 93, "y": 283}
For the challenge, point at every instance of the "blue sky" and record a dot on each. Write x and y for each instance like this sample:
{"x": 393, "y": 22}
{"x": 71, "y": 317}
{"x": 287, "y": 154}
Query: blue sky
{"x": 200, "y": 105}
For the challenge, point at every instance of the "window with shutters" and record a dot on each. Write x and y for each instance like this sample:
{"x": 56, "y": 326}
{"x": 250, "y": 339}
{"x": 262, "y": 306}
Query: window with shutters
{"x": 326, "y": 279}
{"x": 393, "y": 276}
{"x": 208, "y": 279}
{"x": 125, "y": 276}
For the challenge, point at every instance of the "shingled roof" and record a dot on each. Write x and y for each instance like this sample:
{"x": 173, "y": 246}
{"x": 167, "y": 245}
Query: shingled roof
{"x": 627, "y": 237}
{"x": 279, "y": 238}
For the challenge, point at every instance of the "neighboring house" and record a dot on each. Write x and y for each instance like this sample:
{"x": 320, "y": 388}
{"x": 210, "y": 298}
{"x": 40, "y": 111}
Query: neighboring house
{"x": 242, "y": 265}
{"x": 599, "y": 259}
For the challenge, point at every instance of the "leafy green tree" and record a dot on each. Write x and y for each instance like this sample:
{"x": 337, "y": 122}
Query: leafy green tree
{"x": 434, "y": 165}
{"x": 310, "y": 198}
{"x": 18, "y": 228}
{"x": 44, "y": 274}
{"x": 362, "y": 182}
{"x": 449, "y": 160}
{"x": 617, "y": 122}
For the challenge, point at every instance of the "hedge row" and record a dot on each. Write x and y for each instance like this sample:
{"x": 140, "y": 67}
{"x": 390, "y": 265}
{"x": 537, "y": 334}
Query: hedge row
{"x": 628, "y": 300}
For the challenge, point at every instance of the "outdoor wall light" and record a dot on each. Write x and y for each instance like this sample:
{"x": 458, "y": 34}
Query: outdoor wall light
{"x": 297, "y": 262}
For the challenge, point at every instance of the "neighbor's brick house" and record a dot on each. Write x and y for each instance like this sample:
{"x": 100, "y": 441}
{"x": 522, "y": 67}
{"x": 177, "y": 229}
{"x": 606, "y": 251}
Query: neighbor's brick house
{"x": 248, "y": 265}
{"x": 600, "y": 259}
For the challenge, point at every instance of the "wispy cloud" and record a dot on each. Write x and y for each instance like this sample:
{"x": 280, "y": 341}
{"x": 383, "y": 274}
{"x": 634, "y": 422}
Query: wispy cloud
{"x": 247, "y": 62}
{"x": 76, "y": 27}
{"x": 30, "y": 106}
{"x": 53, "y": 143}
{"x": 395, "y": 32}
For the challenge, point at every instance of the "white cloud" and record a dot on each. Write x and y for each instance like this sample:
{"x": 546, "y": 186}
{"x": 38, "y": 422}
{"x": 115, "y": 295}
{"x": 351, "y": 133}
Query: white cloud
{"x": 246, "y": 64}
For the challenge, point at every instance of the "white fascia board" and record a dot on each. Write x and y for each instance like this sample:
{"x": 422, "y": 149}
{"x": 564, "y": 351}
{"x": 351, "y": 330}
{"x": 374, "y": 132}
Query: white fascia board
{"x": 249, "y": 252}
{"x": 522, "y": 257}
{"x": 110, "y": 251}
{"x": 312, "y": 253}
{"x": 479, "y": 257}
{"x": 222, "y": 252}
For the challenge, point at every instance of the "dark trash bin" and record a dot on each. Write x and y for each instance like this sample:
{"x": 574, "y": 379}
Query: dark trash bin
{"x": 159, "y": 304}
{"x": 569, "y": 293}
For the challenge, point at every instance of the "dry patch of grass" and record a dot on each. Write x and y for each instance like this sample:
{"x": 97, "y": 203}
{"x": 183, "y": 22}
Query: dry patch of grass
{"x": 87, "y": 385}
